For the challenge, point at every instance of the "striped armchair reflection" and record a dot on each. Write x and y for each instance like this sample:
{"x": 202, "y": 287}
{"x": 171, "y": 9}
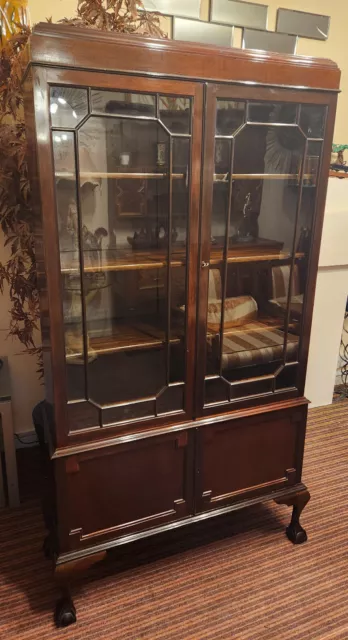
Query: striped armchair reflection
{"x": 245, "y": 342}
{"x": 280, "y": 290}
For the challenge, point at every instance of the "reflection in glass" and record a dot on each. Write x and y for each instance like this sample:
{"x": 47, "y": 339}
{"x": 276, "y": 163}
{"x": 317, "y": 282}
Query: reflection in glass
{"x": 287, "y": 378}
{"x": 254, "y": 274}
{"x": 272, "y": 112}
{"x": 216, "y": 390}
{"x": 312, "y": 120}
{"x": 125, "y": 336}
{"x": 131, "y": 411}
{"x": 261, "y": 228}
{"x": 121, "y": 103}
{"x": 68, "y": 106}
{"x": 171, "y": 399}
{"x": 81, "y": 415}
{"x": 180, "y": 190}
{"x": 66, "y": 198}
{"x": 255, "y": 387}
{"x": 229, "y": 116}
{"x": 312, "y": 161}
{"x": 303, "y": 240}
{"x": 175, "y": 114}
{"x": 222, "y": 159}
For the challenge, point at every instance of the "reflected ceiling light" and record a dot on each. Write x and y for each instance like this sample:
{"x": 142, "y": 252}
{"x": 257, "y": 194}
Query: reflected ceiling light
{"x": 53, "y": 107}
{"x": 61, "y": 100}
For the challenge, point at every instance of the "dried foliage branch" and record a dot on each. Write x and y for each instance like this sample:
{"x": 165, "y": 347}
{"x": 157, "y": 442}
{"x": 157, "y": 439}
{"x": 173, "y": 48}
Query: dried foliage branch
{"x": 16, "y": 215}
{"x": 125, "y": 16}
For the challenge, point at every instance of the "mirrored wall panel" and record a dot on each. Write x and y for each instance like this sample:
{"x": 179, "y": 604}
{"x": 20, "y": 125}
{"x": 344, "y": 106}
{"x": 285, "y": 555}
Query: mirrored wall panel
{"x": 301, "y": 23}
{"x": 203, "y": 32}
{"x": 268, "y": 41}
{"x": 185, "y": 8}
{"x": 239, "y": 13}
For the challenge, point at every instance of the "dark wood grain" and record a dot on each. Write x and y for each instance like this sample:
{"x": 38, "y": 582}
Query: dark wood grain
{"x": 159, "y": 489}
{"x": 316, "y": 240}
{"x": 121, "y": 52}
{"x": 269, "y": 445}
{"x": 205, "y": 244}
{"x": 193, "y": 249}
{"x": 48, "y": 246}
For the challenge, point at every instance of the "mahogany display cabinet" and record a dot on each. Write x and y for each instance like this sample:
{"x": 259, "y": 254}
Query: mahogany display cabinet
{"x": 180, "y": 191}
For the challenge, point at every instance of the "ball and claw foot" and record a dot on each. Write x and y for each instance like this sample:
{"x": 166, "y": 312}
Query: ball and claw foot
{"x": 65, "y": 613}
{"x": 296, "y": 533}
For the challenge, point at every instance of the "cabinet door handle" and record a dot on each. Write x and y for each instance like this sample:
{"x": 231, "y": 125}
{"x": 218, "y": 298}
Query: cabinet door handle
{"x": 204, "y": 265}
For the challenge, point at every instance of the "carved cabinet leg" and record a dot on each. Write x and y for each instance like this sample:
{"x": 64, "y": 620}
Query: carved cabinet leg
{"x": 298, "y": 501}
{"x": 65, "y": 613}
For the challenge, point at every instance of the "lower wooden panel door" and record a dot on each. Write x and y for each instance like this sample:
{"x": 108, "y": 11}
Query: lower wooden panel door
{"x": 238, "y": 459}
{"x": 124, "y": 489}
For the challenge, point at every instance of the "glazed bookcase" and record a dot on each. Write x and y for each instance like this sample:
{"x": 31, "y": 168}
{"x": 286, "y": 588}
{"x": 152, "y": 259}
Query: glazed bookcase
{"x": 180, "y": 192}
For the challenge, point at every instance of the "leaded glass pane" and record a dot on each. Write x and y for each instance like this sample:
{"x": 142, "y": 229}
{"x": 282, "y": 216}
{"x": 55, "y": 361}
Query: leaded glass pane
{"x": 123, "y": 202}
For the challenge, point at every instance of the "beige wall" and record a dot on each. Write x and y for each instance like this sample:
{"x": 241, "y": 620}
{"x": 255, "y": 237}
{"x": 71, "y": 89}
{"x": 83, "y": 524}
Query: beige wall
{"x": 26, "y": 387}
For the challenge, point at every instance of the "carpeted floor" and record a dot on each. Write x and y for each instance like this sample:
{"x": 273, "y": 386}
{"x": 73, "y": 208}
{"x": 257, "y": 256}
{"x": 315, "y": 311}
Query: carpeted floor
{"x": 237, "y": 578}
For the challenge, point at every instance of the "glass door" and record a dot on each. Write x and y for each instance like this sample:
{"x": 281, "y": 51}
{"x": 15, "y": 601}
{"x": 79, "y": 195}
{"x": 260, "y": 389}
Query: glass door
{"x": 126, "y": 223}
{"x": 262, "y": 158}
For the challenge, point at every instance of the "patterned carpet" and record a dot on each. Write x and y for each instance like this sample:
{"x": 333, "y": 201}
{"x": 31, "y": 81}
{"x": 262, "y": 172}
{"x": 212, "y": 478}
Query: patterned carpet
{"x": 237, "y": 578}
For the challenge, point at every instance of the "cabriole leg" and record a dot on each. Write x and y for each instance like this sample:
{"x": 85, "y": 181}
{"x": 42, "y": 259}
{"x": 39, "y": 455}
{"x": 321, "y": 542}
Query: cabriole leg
{"x": 298, "y": 501}
{"x": 65, "y": 613}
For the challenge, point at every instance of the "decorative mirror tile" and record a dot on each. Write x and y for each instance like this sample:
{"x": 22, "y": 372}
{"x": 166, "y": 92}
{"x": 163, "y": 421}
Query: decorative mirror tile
{"x": 204, "y": 32}
{"x": 184, "y": 8}
{"x": 300, "y": 23}
{"x": 239, "y": 14}
{"x": 268, "y": 41}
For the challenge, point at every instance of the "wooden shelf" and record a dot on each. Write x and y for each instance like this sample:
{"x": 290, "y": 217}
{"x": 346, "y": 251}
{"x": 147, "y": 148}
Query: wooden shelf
{"x": 218, "y": 177}
{"x": 258, "y": 250}
{"x": 217, "y": 258}
{"x": 224, "y": 177}
{"x": 128, "y": 337}
{"x": 338, "y": 174}
{"x": 143, "y": 335}
{"x": 98, "y": 175}
{"x": 129, "y": 260}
